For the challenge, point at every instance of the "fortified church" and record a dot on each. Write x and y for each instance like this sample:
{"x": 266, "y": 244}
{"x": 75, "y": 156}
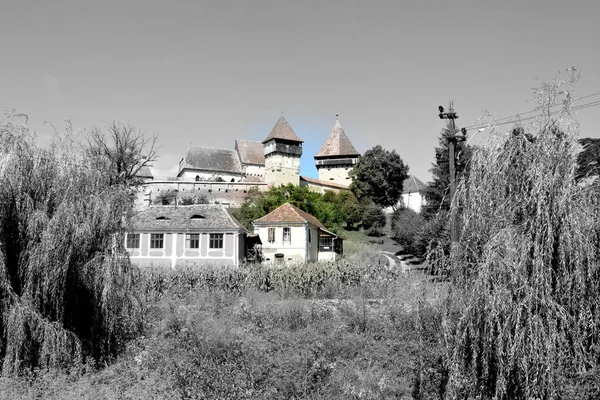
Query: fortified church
{"x": 225, "y": 176}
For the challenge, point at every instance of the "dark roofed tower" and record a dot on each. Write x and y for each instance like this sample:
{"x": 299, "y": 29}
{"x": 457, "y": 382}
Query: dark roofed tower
{"x": 336, "y": 157}
{"x": 282, "y": 149}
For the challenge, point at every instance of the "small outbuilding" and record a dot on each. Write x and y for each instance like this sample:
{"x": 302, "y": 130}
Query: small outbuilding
{"x": 289, "y": 234}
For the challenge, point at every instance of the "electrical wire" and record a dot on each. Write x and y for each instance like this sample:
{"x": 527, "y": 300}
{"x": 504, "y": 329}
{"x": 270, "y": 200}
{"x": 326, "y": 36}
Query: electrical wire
{"x": 517, "y": 117}
{"x": 537, "y": 109}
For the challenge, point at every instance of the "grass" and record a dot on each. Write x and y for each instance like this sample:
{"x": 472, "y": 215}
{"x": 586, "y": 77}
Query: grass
{"x": 364, "y": 341}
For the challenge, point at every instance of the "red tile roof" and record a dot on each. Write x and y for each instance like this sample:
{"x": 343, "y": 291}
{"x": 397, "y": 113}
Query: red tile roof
{"x": 250, "y": 152}
{"x": 324, "y": 183}
{"x": 337, "y": 144}
{"x": 288, "y": 213}
{"x": 283, "y": 130}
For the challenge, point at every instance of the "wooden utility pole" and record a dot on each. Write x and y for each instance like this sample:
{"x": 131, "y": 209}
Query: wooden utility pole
{"x": 452, "y": 138}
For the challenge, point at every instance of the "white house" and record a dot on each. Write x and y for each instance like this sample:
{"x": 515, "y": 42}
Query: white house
{"x": 289, "y": 234}
{"x": 412, "y": 195}
{"x": 185, "y": 235}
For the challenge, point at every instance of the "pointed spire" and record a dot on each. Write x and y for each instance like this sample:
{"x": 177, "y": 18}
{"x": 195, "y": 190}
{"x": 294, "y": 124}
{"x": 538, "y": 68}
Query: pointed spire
{"x": 283, "y": 130}
{"x": 337, "y": 143}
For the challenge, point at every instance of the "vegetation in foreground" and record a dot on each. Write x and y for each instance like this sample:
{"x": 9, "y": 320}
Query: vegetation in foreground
{"x": 357, "y": 329}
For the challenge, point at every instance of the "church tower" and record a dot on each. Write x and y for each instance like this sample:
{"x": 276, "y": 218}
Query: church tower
{"x": 336, "y": 157}
{"x": 282, "y": 149}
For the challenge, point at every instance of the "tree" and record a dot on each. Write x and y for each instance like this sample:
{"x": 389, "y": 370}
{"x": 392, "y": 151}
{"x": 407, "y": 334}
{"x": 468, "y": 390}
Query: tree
{"x": 437, "y": 195}
{"x": 379, "y": 175}
{"x": 522, "y": 318}
{"x": 588, "y": 160}
{"x": 121, "y": 152}
{"x": 65, "y": 279}
{"x": 336, "y": 211}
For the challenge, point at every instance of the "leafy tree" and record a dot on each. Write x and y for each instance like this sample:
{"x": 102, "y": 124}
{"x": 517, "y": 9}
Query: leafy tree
{"x": 121, "y": 151}
{"x": 65, "y": 278}
{"x": 335, "y": 210}
{"x": 379, "y": 175}
{"x": 437, "y": 194}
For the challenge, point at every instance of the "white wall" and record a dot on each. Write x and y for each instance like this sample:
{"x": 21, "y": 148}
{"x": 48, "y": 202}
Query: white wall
{"x": 254, "y": 170}
{"x": 190, "y": 175}
{"x": 282, "y": 169}
{"x": 294, "y": 250}
{"x": 413, "y": 201}
{"x": 335, "y": 175}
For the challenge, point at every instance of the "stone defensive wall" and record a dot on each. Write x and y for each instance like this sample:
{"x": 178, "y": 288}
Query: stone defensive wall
{"x": 230, "y": 194}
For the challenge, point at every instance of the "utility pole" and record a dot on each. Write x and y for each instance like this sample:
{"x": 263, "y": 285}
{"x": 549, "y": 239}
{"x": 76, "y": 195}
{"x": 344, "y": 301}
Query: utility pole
{"x": 452, "y": 138}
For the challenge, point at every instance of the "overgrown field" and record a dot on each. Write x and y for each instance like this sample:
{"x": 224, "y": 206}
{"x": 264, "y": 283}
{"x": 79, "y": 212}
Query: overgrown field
{"x": 345, "y": 330}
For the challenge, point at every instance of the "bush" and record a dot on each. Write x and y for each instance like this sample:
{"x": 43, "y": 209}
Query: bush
{"x": 407, "y": 227}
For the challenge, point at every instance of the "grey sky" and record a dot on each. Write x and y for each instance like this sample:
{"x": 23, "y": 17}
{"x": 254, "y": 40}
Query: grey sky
{"x": 208, "y": 72}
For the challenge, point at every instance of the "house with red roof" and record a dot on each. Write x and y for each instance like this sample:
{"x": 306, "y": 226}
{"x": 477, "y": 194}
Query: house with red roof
{"x": 289, "y": 234}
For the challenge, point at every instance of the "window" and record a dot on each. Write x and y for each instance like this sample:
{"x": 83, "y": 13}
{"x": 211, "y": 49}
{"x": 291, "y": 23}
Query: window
{"x": 216, "y": 241}
{"x": 192, "y": 240}
{"x": 326, "y": 243}
{"x": 156, "y": 240}
{"x": 133, "y": 241}
{"x": 287, "y": 234}
{"x": 309, "y": 236}
{"x": 271, "y": 235}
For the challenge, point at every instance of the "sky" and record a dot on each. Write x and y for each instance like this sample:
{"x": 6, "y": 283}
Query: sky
{"x": 208, "y": 72}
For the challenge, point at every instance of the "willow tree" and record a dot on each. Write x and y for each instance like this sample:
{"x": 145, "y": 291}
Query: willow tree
{"x": 523, "y": 320}
{"x": 65, "y": 279}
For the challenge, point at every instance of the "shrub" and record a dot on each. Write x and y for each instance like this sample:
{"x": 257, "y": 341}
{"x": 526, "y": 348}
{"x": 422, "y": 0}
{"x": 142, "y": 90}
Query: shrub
{"x": 407, "y": 226}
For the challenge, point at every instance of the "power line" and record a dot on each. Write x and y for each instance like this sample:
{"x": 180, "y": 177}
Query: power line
{"x": 517, "y": 117}
{"x": 537, "y": 109}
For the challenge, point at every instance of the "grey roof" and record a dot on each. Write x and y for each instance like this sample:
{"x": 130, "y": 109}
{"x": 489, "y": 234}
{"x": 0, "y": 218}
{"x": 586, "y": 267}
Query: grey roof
{"x": 144, "y": 172}
{"x": 283, "y": 130}
{"x": 173, "y": 219}
{"x": 413, "y": 184}
{"x": 210, "y": 159}
{"x": 337, "y": 144}
{"x": 250, "y": 152}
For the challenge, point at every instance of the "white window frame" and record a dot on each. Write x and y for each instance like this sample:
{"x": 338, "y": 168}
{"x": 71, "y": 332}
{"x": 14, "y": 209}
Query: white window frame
{"x": 287, "y": 238}
{"x": 131, "y": 235}
{"x": 162, "y": 240}
{"x": 188, "y": 240}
